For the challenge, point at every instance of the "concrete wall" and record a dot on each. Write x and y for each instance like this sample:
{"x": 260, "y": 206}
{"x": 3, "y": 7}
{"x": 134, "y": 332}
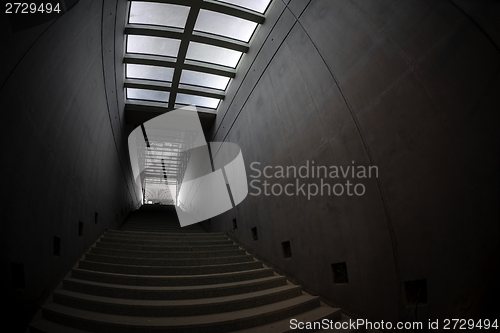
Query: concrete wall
{"x": 63, "y": 145}
{"x": 411, "y": 87}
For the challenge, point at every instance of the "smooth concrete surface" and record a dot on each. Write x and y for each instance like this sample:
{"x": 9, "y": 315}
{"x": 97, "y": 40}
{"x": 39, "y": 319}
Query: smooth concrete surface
{"x": 64, "y": 149}
{"x": 411, "y": 87}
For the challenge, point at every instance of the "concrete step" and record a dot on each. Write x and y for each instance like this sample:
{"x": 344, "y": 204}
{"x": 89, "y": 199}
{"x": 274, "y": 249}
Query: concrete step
{"x": 172, "y": 292}
{"x": 186, "y": 280}
{"x": 175, "y": 308}
{"x": 166, "y": 270}
{"x": 167, "y": 262}
{"x": 174, "y": 237}
{"x": 318, "y": 314}
{"x": 186, "y": 242}
{"x": 162, "y": 229}
{"x": 166, "y": 234}
{"x": 147, "y": 221}
{"x": 166, "y": 248}
{"x": 283, "y": 326}
{"x": 167, "y": 255}
{"x": 219, "y": 322}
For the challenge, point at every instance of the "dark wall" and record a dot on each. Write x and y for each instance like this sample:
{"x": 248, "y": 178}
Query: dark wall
{"x": 411, "y": 87}
{"x": 63, "y": 146}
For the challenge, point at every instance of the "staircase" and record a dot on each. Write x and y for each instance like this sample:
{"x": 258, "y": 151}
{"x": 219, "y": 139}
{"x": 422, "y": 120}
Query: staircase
{"x": 153, "y": 276}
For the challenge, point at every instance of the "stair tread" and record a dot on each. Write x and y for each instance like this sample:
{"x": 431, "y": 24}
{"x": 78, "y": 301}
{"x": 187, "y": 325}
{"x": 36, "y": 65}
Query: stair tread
{"x": 189, "y": 237}
{"x": 179, "y": 280}
{"x": 124, "y": 233}
{"x": 144, "y": 253}
{"x": 190, "y": 242}
{"x": 177, "y": 288}
{"x": 237, "y": 264}
{"x": 189, "y": 321}
{"x": 172, "y": 248}
{"x": 153, "y": 232}
{"x": 166, "y": 261}
{"x": 174, "y": 303}
{"x": 283, "y": 325}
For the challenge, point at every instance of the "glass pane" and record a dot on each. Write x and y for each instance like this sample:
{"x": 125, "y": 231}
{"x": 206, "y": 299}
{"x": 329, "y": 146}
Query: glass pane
{"x": 224, "y": 25}
{"x": 153, "y": 45}
{"x": 158, "y": 14}
{"x": 204, "y": 79}
{"x": 150, "y": 95}
{"x": 149, "y": 72}
{"x": 213, "y": 54}
{"x": 197, "y": 100}
{"x": 256, "y": 5}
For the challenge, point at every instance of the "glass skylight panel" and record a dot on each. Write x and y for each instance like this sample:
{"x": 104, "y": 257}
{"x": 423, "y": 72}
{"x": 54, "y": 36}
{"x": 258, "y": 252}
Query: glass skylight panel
{"x": 224, "y": 25}
{"x": 255, "y": 5}
{"x": 174, "y": 14}
{"x": 146, "y": 94}
{"x": 213, "y": 54}
{"x": 153, "y": 45}
{"x": 147, "y": 72}
{"x": 158, "y": 14}
{"x": 204, "y": 79}
{"x": 197, "y": 100}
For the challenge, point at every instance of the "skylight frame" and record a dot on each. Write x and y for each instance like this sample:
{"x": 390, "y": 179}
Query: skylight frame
{"x": 248, "y": 8}
{"x": 179, "y": 63}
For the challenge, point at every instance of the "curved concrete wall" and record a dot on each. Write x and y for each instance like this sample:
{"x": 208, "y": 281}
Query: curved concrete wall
{"x": 411, "y": 87}
{"x": 63, "y": 146}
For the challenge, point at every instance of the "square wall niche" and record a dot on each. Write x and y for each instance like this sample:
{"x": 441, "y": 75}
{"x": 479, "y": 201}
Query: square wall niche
{"x": 339, "y": 273}
{"x": 255, "y": 236}
{"x": 286, "y": 249}
{"x": 416, "y": 291}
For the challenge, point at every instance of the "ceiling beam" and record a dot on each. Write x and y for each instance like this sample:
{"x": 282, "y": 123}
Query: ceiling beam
{"x": 227, "y": 43}
{"x": 176, "y": 33}
{"x": 229, "y": 9}
{"x": 138, "y": 112}
{"x": 182, "y": 88}
{"x": 147, "y": 84}
{"x": 183, "y": 48}
{"x": 198, "y": 66}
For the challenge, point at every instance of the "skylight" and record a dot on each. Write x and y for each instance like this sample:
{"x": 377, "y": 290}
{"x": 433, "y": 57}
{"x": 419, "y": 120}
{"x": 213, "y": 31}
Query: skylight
{"x": 153, "y": 45}
{"x": 149, "y": 72}
{"x": 224, "y": 25}
{"x": 186, "y": 53}
{"x": 158, "y": 14}
{"x": 204, "y": 79}
{"x": 148, "y": 95}
{"x": 213, "y": 54}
